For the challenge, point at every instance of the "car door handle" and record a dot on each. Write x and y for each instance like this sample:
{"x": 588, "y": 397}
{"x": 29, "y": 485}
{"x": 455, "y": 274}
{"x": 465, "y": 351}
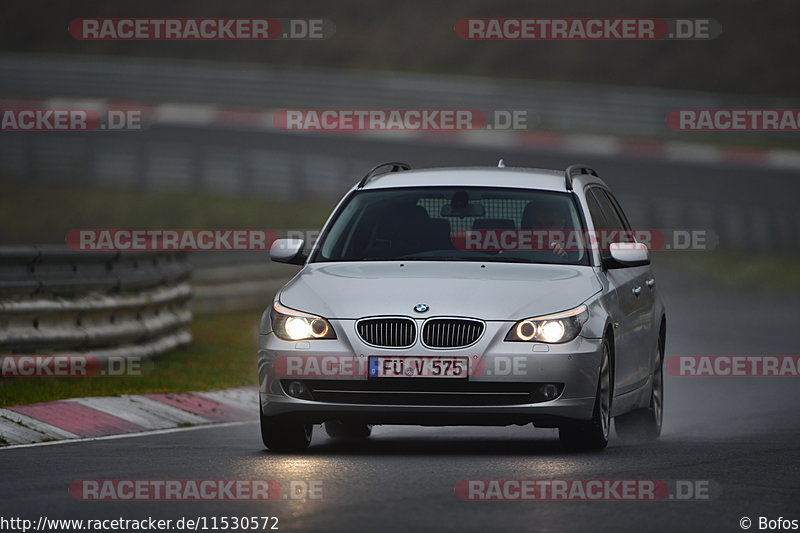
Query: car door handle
{"x": 651, "y": 282}
{"x": 637, "y": 290}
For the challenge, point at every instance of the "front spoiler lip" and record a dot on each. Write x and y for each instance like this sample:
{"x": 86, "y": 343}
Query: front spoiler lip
{"x": 562, "y": 408}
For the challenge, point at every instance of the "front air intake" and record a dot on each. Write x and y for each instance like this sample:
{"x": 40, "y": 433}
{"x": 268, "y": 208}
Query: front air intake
{"x": 451, "y": 332}
{"x": 387, "y": 332}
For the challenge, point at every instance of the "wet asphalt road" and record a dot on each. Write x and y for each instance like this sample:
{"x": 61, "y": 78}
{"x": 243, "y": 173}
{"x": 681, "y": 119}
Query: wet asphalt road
{"x": 716, "y": 181}
{"x": 742, "y": 435}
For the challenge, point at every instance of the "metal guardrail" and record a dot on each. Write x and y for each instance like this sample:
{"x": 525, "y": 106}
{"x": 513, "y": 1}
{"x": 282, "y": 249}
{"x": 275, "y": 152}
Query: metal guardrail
{"x": 236, "y": 281}
{"x": 722, "y": 227}
{"x": 128, "y": 304}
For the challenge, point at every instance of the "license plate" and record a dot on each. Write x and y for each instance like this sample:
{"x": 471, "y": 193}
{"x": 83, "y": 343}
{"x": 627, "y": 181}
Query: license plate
{"x": 418, "y": 367}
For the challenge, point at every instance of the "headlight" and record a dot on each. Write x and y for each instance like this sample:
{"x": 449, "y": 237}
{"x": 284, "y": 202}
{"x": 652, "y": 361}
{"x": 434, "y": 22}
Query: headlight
{"x": 552, "y": 329}
{"x": 291, "y": 325}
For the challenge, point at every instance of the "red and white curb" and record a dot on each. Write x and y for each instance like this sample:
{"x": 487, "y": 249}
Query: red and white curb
{"x": 82, "y": 418}
{"x": 180, "y": 114}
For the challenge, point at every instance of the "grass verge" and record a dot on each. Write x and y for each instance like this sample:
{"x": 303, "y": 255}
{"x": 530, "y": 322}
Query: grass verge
{"x": 222, "y": 355}
{"x": 765, "y": 273}
{"x": 44, "y": 212}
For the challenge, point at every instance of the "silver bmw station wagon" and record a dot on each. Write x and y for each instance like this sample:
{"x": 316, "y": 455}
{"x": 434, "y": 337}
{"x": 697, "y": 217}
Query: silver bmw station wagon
{"x": 466, "y": 296}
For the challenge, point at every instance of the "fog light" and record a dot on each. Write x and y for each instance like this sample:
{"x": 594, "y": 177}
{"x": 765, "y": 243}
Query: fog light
{"x": 298, "y": 389}
{"x": 549, "y": 391}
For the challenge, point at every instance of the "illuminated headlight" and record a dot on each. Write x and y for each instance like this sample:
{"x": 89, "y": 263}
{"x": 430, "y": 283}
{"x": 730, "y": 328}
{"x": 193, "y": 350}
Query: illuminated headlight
{"x": 552, "y": 329}
{"x": 291, "y": 325}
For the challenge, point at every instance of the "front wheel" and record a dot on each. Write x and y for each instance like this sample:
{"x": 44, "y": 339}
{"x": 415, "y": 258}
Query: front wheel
{"x": 645, "y": 423}
{"x": 593, "y": 434}
{"x": 284, "y": 435}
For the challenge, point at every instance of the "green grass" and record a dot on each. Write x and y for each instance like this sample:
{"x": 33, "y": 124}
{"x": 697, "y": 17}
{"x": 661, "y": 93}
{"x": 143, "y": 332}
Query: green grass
{"x": 766, "y": 273}
{"x": 44, "y": 212}
{"x": 222, "y": 355}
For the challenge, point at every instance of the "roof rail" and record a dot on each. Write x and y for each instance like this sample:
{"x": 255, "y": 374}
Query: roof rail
{"x": 396, "y": 167}
{"x": 577, "y": 170}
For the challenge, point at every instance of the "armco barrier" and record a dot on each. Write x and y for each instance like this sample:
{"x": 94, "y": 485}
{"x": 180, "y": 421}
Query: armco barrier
{"x": 236, "y": 281}
{"x": 57, "y": 300}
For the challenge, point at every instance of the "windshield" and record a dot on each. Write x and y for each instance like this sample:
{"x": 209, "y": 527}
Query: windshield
{"x": 455, "y": 224}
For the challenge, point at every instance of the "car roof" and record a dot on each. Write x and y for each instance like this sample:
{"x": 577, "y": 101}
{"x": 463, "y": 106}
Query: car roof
{"x": 513, "y": 177}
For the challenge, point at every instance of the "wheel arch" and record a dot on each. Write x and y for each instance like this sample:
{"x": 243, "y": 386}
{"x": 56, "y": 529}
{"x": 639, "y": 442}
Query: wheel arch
{"x": 608, "y": 333}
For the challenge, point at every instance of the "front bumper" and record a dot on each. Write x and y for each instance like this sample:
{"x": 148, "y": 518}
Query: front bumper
{"x": 499, "y": 371}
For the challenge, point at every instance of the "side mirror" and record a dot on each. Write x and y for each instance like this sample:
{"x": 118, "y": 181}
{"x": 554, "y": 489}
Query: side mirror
{"x": 288, "y": 251}
{"x": 627, "y": 254}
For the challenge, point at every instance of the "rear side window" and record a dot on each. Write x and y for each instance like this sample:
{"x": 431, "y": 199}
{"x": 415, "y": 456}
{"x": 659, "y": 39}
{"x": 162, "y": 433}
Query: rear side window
{"x": 610, "y": 217}
{"x": 607, "y": 218}
{"x": 617, "y": 208}
{"x": 595, "y": 211}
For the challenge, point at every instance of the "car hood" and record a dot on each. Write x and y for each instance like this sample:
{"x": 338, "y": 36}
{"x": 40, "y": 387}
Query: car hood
{"x": 490, "y": 291}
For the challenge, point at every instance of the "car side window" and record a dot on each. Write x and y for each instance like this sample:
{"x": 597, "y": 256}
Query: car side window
{"x": 614, "y": 221}
{"x": 616, "y": 227}
{"x": 617, "y": 207}
{"x": 596, "y": 212}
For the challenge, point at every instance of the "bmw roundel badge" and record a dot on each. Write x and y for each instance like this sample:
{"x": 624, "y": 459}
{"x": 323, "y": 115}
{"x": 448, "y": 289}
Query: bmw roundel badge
{"x": 421, "y": 308}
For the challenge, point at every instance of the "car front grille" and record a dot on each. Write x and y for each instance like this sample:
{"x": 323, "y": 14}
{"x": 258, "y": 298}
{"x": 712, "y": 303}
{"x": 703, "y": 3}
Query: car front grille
{"x": 451, "y": 332}
{"x": 388, "y": 332}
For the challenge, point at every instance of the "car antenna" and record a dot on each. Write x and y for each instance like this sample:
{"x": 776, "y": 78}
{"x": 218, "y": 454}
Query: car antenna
{"x": 501, "y": 164}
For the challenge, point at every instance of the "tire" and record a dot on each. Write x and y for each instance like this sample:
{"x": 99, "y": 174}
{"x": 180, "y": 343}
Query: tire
{"x": 347, "y": 431}
{"x": 283, "y": 435}
{"x": 592, "y": 435}
{"x": 645, "y": 424}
